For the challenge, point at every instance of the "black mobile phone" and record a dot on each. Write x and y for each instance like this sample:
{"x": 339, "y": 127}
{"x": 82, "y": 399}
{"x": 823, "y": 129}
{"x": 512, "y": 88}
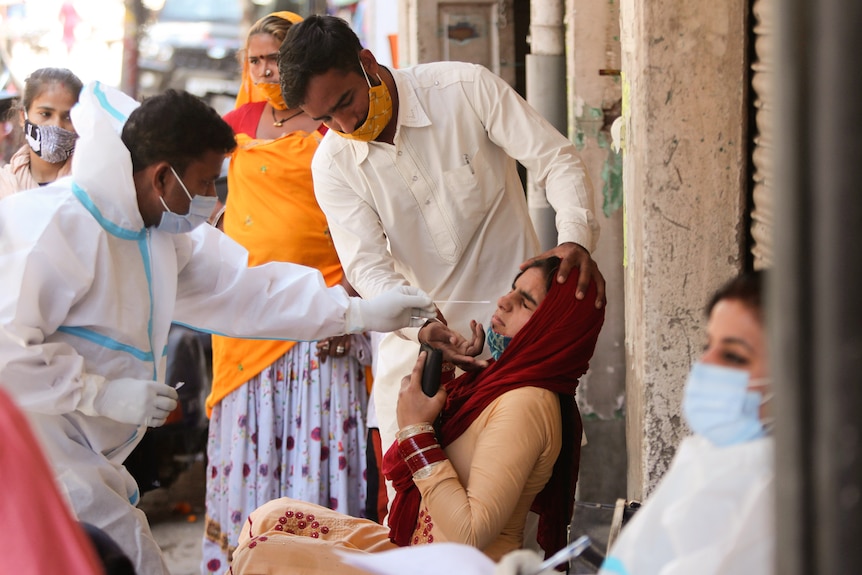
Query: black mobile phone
{"x": 433, "y": 369}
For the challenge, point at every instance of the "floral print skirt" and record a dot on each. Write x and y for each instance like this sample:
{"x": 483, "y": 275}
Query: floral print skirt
{"x": 295, "y": 430}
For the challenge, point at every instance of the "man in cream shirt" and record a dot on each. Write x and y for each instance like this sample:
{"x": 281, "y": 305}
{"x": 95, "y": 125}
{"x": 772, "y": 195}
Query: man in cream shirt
{"x": 418, "y": 180}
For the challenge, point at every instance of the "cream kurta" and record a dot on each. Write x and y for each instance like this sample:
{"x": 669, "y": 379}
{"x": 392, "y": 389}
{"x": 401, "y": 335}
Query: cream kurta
{"x": 480, "y": 496}
{"x": 498, "y": 466}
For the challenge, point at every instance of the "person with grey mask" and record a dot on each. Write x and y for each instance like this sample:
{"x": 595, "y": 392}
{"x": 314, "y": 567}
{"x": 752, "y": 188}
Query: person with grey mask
{"x": 49, "y": 137}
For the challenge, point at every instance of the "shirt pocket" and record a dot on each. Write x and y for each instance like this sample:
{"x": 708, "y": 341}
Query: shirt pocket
{"x": 474, "y": 188}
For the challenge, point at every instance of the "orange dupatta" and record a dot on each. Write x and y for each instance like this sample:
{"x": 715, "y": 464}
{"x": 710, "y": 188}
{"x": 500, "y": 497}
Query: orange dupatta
{"x": 272, "y": 212}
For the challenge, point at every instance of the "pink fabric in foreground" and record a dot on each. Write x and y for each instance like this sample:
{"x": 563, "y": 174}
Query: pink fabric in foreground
{"x": 38, "y": 531}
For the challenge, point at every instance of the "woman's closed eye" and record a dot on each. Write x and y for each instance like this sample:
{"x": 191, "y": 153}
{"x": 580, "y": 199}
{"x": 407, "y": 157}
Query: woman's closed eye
{"x": 526, "y": 304}
{"x": 526, "y": 300}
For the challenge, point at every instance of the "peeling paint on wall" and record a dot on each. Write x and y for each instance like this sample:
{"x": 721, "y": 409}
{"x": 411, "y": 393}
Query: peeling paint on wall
{"x": 579, "y": 107}
{"x": 594, "y": 123}
{"x": 612, "y": 176}
{"x": 580, "y": 139}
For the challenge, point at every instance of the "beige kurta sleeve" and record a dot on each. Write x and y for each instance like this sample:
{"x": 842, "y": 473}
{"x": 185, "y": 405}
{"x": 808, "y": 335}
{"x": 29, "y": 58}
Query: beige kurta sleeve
{"x": 495, "y": 468}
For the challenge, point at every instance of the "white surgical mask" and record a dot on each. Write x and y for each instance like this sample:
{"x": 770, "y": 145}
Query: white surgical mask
{"x": 718, "y": 405}
{"x": 199, "y": 212}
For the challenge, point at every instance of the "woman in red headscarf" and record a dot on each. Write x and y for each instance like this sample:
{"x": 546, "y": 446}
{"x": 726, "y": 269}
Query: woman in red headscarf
{"x": 473, "y": 460}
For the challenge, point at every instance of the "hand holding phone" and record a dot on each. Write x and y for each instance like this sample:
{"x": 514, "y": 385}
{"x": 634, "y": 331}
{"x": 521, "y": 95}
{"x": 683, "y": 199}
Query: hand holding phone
{"x": 432, "y": 371}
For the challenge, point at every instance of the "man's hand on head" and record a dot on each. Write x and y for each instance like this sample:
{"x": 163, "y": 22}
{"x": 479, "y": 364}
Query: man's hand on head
{"x": 571, "y": 256}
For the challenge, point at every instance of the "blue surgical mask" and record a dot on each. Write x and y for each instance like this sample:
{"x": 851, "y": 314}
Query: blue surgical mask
{"x": 200, "y": 209}
{"x": 496, "y": 342}
{"x": 718, "y": 405}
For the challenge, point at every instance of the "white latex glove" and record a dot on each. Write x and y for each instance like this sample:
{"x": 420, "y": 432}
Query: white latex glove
{"x": 390, "y": 310}
{"x": 128, "y": 400}
{"x": 521, "y": 562}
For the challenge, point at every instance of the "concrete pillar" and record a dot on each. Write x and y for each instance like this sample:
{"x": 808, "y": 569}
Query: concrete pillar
{"x": 684, "y": 176}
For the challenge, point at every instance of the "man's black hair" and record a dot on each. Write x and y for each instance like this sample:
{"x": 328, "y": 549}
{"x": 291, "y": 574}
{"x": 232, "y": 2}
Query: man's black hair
{"x": 175, "y": 127}
{"x": 315, "y": 46}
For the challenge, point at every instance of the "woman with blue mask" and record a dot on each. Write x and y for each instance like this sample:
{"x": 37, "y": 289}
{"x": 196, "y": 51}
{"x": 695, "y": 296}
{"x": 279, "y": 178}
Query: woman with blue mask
{"x": 49, "y": 137}
{"x": 712, "y": 511}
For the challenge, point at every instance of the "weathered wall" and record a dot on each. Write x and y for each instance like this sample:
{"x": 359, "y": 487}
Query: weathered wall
{"x": 479, "y": 31}
{"x": 684, "y": 175}
{"x": 592, "y": 41}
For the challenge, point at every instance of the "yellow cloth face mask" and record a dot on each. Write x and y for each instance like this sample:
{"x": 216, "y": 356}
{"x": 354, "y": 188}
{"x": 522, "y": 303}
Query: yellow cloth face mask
{"x": 379, "y": 112}
{"x": 272, "y": 94}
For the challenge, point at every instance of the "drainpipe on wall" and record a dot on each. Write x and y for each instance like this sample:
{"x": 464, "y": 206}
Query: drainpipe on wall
{"x": 546, "y": 92}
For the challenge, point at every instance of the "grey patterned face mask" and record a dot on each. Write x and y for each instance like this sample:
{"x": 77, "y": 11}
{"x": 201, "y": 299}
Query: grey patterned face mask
{"x": 51, "y": 143}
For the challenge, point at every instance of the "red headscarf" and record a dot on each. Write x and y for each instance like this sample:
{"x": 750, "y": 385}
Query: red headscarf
{"x": 551, "y": 351}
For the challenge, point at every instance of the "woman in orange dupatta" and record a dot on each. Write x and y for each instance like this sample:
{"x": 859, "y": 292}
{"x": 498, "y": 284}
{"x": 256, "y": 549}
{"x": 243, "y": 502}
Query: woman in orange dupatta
{"x": 286, "y": 418}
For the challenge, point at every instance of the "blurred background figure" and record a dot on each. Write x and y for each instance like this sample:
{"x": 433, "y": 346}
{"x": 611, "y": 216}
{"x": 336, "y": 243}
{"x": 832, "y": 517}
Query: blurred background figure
{"x": 70, "y": 19}
{"x": 43, "y": 116}
{"x": 10, "y": 139}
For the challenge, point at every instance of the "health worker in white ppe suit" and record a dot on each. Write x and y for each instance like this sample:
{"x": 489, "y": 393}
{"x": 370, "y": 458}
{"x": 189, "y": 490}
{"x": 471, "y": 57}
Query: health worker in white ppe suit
{"x": 712, "y": 513}
{"x": 97, "y": 266}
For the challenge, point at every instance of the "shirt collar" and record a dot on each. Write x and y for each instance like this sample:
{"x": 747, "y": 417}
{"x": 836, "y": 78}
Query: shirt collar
{"x": 410, "y": 111}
